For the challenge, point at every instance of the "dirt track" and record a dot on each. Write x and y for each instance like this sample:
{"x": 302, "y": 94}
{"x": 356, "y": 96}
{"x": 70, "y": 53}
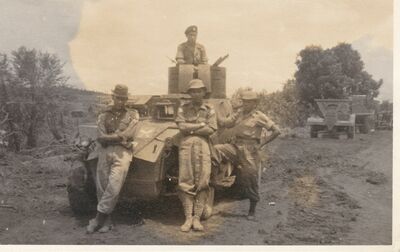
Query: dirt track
{"x": 324, "y": 191}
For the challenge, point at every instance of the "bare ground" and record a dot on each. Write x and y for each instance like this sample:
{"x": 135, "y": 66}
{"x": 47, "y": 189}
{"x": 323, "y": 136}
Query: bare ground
{"x": 314, "y": 191}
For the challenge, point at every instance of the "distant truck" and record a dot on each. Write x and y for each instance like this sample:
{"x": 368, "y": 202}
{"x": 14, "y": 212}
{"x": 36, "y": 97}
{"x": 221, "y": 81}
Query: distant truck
{"x": 342, "y": 117}
{"x": 384, "y": 120}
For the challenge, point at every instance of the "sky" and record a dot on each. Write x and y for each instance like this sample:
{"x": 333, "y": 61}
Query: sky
{"x": 105, "y": 42}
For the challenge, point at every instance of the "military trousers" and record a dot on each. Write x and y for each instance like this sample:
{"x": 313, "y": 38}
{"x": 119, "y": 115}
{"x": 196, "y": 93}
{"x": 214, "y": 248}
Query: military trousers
{"x": 112, "y": 168}
{"x": 244, "y": 155}
{"x": 194, "y": 165}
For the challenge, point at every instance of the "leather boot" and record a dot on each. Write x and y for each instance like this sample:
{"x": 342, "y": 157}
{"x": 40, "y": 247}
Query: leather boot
{"x": 198, "y": 210}
{"x": 187, "y": 203}
{"x": 107, "y": 225}
{"x": 252, "y": 210}
{"x": 96, "y": 223}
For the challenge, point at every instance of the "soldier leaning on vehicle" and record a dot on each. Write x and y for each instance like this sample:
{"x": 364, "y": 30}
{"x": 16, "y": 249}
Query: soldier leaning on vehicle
{"x": 191, "y": 52}
{"x": 247, "y": 124}
{"x": 196, "y": 121}
{"x": 116, "y": 127}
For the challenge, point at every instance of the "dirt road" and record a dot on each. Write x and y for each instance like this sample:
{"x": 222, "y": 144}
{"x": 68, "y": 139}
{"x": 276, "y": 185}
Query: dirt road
{"x": 314, "y": 191}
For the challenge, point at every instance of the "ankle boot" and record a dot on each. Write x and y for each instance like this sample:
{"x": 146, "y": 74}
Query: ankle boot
{"x": 96, "y": 223}
{"x": 252, "y": 210}
{"x": 187, "y": 203}
{"x": 107, "y": 225}
{"x": 198, "y": 210}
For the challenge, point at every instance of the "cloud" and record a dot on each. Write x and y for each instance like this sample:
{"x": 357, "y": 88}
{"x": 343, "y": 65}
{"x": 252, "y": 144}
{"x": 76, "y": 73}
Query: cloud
{"x": 378, "y": 61}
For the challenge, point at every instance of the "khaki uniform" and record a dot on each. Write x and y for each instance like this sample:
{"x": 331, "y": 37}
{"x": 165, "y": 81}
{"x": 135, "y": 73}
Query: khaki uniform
{"x": 115, "y": 158}
{"x": 192, "y": 54}
{"x": 243, "y": 151}
{"x": 194, "y": 152}
{"x": 194, "y": 161}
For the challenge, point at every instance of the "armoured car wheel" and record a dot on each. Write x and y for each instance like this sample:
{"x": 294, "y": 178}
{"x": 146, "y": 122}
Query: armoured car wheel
{"x": 314, "y": 132}
{"x": 351, "y": 132}
{"x": 366, "y": 125}
{"x": 81, "y": 190}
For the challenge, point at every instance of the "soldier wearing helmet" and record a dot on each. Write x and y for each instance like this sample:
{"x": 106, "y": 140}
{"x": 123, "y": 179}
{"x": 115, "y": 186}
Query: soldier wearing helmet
{"x": 247, "y": 124}
{"x": 196, "y": 122}
{"x": 116, "y": 127}
{"x": 191, "y": 52}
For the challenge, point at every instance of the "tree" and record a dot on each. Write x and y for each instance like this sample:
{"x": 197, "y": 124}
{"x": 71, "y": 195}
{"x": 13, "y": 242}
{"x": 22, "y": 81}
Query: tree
{"x": 332, "y": 73}
{"x": 284, "y": 106}
{"x": 11, "y": 133}
{"x": 37, "y": 74}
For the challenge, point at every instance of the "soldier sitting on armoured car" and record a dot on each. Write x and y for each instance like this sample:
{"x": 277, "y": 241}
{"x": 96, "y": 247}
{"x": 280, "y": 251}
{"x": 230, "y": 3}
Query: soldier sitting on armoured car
{"x": 191, "y": 52}
{"x": 247, "y": 124}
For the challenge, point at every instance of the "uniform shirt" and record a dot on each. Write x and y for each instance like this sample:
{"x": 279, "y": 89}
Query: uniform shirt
{"x": 192, "y": 54}
{"x": 248, "y": 126}
{"x": 121, "y": 122}
{"x": 188, "y": 113}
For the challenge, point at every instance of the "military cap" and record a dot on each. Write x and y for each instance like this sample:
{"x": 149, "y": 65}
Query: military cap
{"x": 195, "y": 83}
{"x": 249, "y": 95}
{"x": 191, "y": 28}
{"x": 120, "y": 91}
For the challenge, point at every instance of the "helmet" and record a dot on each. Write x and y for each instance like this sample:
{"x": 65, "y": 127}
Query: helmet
{"x": 195, "y": 83}
{"x": 249, "y": 95}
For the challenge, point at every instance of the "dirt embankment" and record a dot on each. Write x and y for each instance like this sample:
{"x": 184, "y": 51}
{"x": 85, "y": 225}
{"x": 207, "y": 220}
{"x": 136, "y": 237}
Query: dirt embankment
{"x": 314, "y": 191}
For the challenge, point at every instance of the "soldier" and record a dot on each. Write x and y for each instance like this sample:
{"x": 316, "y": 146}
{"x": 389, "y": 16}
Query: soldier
{"x": 116, "y": 128}
{"x": 243, "y": 151}
{"x": 196, "y": 121}
{"x": 191, "y": 52}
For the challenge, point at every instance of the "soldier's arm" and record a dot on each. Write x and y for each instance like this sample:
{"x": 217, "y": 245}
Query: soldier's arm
{"x": 185, "y": 127}
{"x": 129, "y": 132}
{"x": 188, "y": 128}
{"x": 204, "y": 59}
{"x": 267, "y": 123}
{"x": 210, "y": 127}
{"x": 275, "y": 133}
{"x": 228, "y": 122}
{"x": 179, "y": 55}
{"x": 102, "y": 136}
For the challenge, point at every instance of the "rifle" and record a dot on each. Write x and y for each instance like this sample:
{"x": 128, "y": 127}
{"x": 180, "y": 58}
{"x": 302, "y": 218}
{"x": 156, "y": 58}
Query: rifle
{"x": 220, "y": 60}
{"x": 172, "y": 60}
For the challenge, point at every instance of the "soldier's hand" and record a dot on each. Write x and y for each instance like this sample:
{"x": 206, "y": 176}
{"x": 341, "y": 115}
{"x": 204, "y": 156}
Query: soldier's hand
{"x": 108, "y": 138}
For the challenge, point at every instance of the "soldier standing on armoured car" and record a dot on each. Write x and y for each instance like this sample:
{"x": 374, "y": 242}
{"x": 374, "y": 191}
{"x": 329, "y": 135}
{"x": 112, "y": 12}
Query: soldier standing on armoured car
{"x": 243, "y": 151}
{"x": 191, "y": 52}
{"x": 196, "y": 121}
{"x": 116, "y": 128}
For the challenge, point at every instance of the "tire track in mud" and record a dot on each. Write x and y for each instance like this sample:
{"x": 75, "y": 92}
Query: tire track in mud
{"x": 319, "y": 212}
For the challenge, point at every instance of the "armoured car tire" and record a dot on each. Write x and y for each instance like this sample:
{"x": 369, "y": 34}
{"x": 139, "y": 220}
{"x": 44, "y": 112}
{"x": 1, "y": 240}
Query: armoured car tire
{"x": 351, "y": 132}
{"x": 208, "y": 207}
{"x": 314, "y": 132}
{"x": 81, "y": 191}
{"x": 366, "y": 125}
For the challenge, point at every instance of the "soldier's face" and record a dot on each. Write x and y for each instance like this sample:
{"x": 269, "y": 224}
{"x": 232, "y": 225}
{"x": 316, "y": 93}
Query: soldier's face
{"x": 249, "y": 105}
{"x": 197, "y": 94}
{"x": 191, "y": 37}
{"x": 119, "y": 102}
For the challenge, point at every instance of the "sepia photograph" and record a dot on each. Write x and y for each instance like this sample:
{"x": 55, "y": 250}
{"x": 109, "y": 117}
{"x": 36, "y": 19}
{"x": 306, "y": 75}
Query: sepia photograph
{"x": 231, "y": 122}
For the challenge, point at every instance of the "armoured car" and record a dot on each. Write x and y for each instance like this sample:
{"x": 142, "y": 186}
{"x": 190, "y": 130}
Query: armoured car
{"x": 154, "y": 169}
